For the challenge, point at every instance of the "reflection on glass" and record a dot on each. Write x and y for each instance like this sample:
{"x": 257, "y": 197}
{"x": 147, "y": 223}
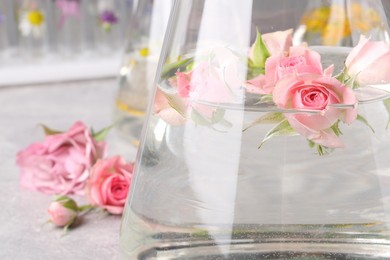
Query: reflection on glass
{"x": 329, "y": 22}
{"x": 261, "y": 146}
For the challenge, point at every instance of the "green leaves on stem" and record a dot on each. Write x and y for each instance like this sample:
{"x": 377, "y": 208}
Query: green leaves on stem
{"x": 386, "y": 102}
{"x": 217, "y": 117}
{"x": 282, "y": 129}
{"x": 101, "y": 134}
{"x": 260, "y": 52}
{"x": 256, "y": 65}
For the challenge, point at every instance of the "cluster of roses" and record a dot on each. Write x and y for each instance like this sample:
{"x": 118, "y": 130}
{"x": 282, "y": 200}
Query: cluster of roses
{"x": 75, "y": 163}
{"x": 292, "y": 77}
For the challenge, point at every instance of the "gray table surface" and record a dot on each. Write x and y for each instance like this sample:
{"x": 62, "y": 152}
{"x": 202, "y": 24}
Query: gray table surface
{"x": 24, "y": 233}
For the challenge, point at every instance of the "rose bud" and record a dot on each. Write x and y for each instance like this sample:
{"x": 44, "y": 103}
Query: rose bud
{"x": 63, "y": 211}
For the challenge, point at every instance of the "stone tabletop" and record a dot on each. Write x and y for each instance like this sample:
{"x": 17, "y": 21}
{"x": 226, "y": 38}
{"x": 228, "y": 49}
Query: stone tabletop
{"x": 24, "y": 231}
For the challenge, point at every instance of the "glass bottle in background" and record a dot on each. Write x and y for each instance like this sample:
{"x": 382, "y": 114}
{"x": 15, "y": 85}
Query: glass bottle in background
{"x": 66, "y": 27}
{"x": 3, "y": 29}
{"x": 32, "y": 27}
{"x": 327, "y": 22}
{"x": 258, "y": 148}
{"x": 145, "y": 36}
{"x": 109, "y": 22}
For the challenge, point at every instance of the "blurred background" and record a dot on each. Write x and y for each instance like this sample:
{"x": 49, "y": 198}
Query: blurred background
{"x": 66, "y": 39}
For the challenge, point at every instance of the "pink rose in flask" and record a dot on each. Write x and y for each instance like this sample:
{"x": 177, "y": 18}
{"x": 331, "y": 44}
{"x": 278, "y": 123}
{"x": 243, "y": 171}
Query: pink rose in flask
{"x": 218, "y": 79}
{"x": 164, "y": 110}
{"x": 277, "y": 42}
{"x": 368, "y": 62}
{"x": 315, "y": 93}
{"x": 61, "y": 163}
{"x": 109, "y": 184}
{"x": 298, "y": 60}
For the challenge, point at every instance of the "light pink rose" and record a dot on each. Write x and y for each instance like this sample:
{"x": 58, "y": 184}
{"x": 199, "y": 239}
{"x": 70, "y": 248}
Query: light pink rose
{"x": 317, "y": 93}
{"x": 369, "y": 61}
{"x": 109, "y": 184}
{"x": 164, "y": 110}
{"x": 277, "y": 43}
{"x": 218, "y": 79}
{"x": 184, "y": 86}
{"x": 63, "y": 212}
{"x": 299, "y": 60}
{"x": 61, "y": 164}
{"x": 207, "y": 85}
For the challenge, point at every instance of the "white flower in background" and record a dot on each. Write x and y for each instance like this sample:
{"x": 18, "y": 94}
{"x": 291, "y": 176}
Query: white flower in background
{"x": 31, "y": 23}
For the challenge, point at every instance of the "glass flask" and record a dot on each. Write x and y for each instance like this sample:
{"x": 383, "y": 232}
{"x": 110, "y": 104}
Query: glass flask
{"x": 139, "y": 64}
{"x": 260, "y": 146}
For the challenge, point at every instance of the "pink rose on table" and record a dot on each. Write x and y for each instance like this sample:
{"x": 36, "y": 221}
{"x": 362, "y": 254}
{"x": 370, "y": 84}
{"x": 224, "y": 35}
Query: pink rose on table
{"x": 61, "y": 164}
{"x": 109, "y": 184}
{"x": 299, "y": 60}
{"x": 63, "y": 211}
{"x": 369, "y": 61}
{"x": 316, "y": 92}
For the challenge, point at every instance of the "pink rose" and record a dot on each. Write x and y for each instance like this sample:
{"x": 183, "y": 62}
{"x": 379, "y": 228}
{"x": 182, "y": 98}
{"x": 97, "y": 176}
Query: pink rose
{"x": 184, "y": 86}
{"x": 164, "y": 110}
{"x": 61, "y": 164}
{"x": 315, "y": 92}
{"x": 208, "y": 85}
{"x": 63, "y": 211}
{"x": 217, "y": 79}
{"x": 368, "y": 62}
{"x": 299, "y": 60}
{"x": 109, "y": 184}
{"x": 277, "y": 42}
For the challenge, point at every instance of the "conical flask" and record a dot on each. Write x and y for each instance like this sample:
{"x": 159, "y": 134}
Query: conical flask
{"x": 260, "y": 147}
{"x": 145, "y": 38}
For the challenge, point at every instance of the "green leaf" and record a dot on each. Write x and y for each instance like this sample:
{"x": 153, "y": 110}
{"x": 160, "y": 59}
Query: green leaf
{"x": 218, "y": 115}
{"x": 170, "y": 69}
{"x": 67, "y": 203}
{"x": 364, "y": 121}
{"x": 102, "y": 134}
{"x": 342, "y": 76}
{"x": 177, "y": 105}
{"x": 49, "y": 131}
{"x": 386, "y": 102}
{"x": 321, "y": 150}
{"x": 311, "y": 143}
{"x": 269, "y": 118}
{"x": 282, "y": 129}
{"x": 199, "y": 119}
{"x": 336, "y": 129}
{"x": 253, "y": 72}
{"x": 85, "y": 208}
{"x": 266, "y": 99}
{"x": 260, "y": 52}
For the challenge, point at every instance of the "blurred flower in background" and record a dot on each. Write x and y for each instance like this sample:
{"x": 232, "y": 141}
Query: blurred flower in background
{"x": 68, "y": 8}
{"x": 108, "y": 19}
{"x": 330, "y": 22}
{"x": 31, "y": 23}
